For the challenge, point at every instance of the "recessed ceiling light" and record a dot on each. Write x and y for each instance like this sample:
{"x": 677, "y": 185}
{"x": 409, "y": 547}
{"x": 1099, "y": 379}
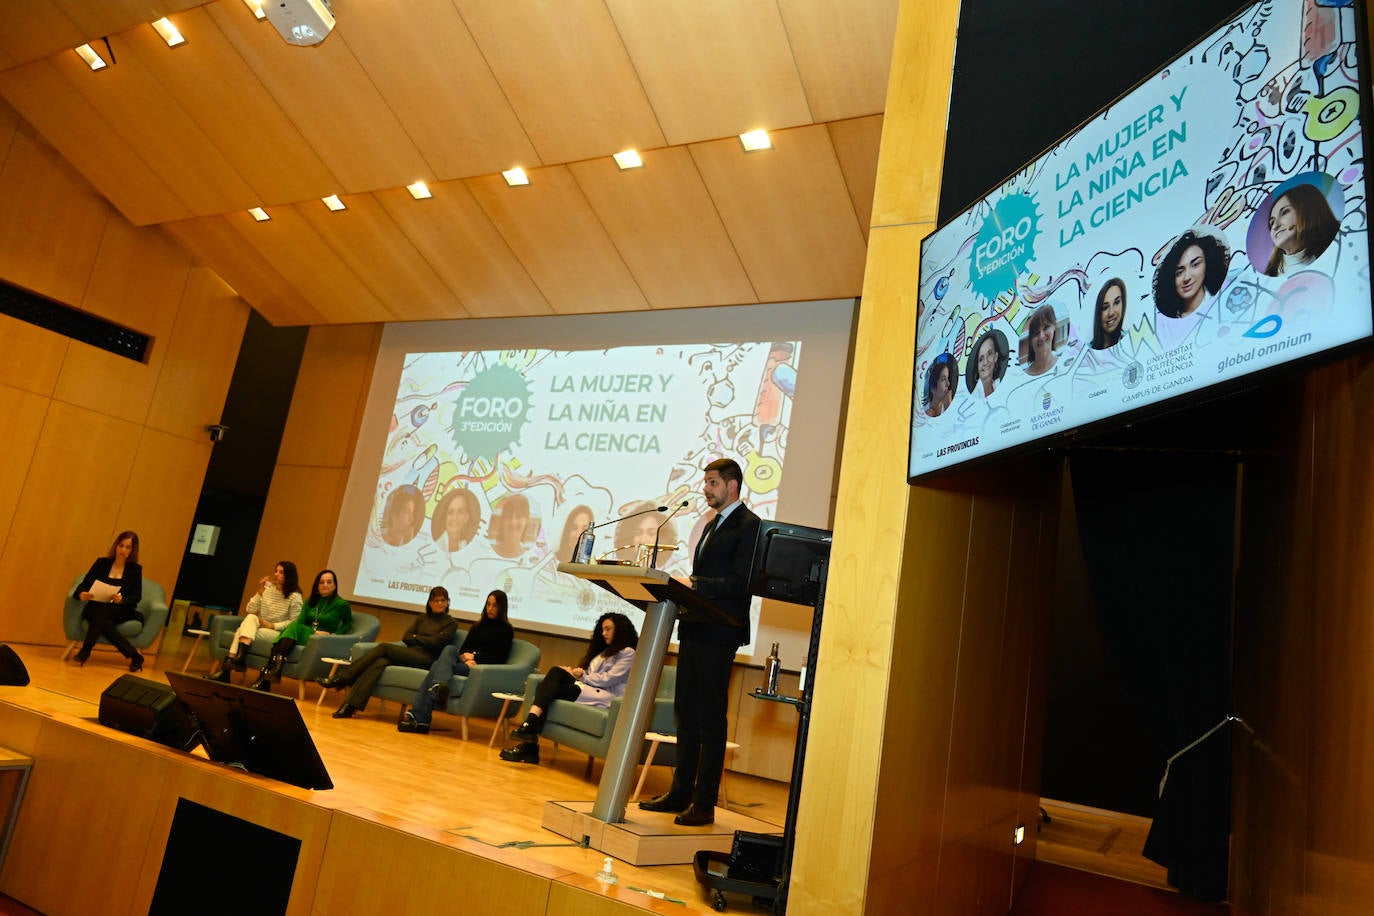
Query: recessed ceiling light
{"x": 259, "y": 214}
{"x": 628, "y": 159}
{"x": 256, "y": 7}
{"x": 515, "y": 176}
{"x": 92, "y": 59}
{"x": 755, "y": 140}
{"x": 419, "y": 190}
{"x": 333, "y": 203}
{"x": 168, "y": 32}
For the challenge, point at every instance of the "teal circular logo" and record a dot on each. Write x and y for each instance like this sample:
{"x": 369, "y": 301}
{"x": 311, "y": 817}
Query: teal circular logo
{"x": 1005, "y": 245}
{"x": 489, "y": 414}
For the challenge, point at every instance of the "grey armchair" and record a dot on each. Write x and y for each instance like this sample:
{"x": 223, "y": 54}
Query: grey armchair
{"x": 467, "y": 696}
{"x": 153, "y": 607}
{"x": 589, "y": 728}
{"x": 306, "y": 661}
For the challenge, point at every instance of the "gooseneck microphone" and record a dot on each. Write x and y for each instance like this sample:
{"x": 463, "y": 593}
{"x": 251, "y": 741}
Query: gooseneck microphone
{"x": 582, "y": 552}
{"x": 653, "y": 558}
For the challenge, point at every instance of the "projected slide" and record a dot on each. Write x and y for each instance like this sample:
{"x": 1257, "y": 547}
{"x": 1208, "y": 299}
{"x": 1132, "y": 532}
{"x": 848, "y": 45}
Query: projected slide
{"x": 1209, "y": 224}
{"x": 495, "y": 459}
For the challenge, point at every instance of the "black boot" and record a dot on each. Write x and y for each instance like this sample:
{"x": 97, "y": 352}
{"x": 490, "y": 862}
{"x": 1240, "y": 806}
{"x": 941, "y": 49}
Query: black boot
{"x": 239, "y": 662}
{"x": 271, "y": 671}
{"x": 221, "y": 676}
{"x": 529, "y": 729}
{"x": 524, "y": 752}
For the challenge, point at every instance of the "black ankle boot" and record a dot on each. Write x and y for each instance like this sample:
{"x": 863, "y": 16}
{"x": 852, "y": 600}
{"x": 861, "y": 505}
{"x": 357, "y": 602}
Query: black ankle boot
{"x": 269, "y": 672}
{"x": 528, "y": 730}
{"x": 239, "y": 662}
{"x": 524, "y": 752}
{"x": 136, "y": 662}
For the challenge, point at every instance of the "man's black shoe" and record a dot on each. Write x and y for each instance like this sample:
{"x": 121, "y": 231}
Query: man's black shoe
{"x": 665, "y": 802}
{"x": 696, "y": 816}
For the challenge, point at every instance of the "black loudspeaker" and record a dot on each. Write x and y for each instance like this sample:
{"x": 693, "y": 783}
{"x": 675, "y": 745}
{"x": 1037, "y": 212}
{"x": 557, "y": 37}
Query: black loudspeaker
{"x": 148, "y": 709}
{"x": 12, "y": 670}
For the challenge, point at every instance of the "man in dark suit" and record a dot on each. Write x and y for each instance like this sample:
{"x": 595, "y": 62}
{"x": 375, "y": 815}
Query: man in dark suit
{"x": 707, "y": 646}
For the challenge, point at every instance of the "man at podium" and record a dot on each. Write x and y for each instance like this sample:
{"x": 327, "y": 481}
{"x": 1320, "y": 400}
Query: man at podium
{"x": 706, "y": 648}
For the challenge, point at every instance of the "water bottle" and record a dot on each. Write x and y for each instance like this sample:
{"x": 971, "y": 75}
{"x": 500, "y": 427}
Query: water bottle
{"x": 772, "y": 667}
{"x": 582, "y": 553}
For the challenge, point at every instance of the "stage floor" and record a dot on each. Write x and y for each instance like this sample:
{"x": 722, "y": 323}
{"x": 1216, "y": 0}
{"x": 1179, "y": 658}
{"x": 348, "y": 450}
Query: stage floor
{"x": 435, "y": 781}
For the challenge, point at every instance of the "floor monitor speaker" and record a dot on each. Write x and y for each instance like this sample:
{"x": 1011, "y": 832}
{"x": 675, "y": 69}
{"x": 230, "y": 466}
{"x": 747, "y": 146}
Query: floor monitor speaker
{"x": 12, "y": 670}
{"x": 146, "y": 708}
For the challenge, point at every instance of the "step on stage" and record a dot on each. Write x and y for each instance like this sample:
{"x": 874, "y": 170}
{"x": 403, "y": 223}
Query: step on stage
{"x": 646, "y": 837}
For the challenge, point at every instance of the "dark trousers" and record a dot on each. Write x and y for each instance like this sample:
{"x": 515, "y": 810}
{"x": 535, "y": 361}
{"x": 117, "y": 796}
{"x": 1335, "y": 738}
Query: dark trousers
{"x": 282, "y": 647}
{"x": 701, "y": 706}
{"x": 441, "y": 672}
{"x": 101, "y": 620}
{"x": 556, "y": 685}
{"x": 363, "y": 673}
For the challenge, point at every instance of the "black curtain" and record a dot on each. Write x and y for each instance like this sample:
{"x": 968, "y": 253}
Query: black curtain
{"x": 1158, "y": 532}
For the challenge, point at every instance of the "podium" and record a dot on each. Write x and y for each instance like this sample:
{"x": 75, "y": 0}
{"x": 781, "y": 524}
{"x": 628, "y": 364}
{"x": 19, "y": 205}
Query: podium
{"x": 603, "y": 827}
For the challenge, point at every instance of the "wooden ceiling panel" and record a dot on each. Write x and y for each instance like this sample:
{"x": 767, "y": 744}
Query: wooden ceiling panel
{"x": 366, "y": 239}
{"x": 291, "y": 245}
{"x": 437, "y": 82}
{"x": 108, "y": 17}
{"x": 856, "y": 146}
{"x": 565, "y": 71}
{"x": 713, "y": 68}
{"x": 788, "y": 213}
{"x": 454, "y": 234}
{"x": 140, "y": 110}
{"x": 666, "y": 228}
{"x": 331, "y": 100}
{"x": 35, "y": 181}
{"x": 844, "y": 53}
{"x": 235, "y": 111}
{"x": 215, "y": 242}
{"x": 556, "y": 235}
{"x": 34, "y": 29}
{"x": 47, "y": 100}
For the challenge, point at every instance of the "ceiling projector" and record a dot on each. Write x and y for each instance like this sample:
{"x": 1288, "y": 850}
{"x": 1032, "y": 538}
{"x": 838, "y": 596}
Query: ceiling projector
{"x": 300, "y": 22}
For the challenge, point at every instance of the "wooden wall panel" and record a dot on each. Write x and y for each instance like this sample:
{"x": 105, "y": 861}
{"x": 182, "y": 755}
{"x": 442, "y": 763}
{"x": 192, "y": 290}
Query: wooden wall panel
{"x": 199, "y": 357}
{"x": 36, "y": 181}
{"x": 327, "y": 404}
{"x": 160, "y": 500}
{"x": 79, "y": 463}
{"x": 297, "y": 522}
{"x": 33, "y": 356}
{"x": 856, "y": 146}
{"x": 350, "y": 881}
{"x": 63, "y": 820}
{"x": 24, "y": 413}
{"x": 843, "y": 53}
{"x": 67, "y": 516}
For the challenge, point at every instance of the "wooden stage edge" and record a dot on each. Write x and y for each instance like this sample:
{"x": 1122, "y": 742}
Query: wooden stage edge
{"x": 412, "y": 820}
{"x": 648, "y": 839}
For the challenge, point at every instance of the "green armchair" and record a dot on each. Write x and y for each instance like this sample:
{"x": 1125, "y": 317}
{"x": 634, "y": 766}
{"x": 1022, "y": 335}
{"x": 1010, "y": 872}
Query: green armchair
{"x": 153, "y": 607}
{"x": 306, "y": 661}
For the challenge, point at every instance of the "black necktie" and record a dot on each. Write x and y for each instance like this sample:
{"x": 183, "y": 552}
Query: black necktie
{"x": 705, "y": 535}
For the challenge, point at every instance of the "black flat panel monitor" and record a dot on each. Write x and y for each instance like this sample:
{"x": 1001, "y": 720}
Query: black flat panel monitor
{"x": 1210, "y": 224}
{"x": 790, "y": 562}
{"x": 260, "y": 732}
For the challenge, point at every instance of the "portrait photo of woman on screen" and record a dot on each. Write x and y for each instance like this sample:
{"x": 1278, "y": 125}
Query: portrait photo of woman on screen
{"x": 1298, "y": 222}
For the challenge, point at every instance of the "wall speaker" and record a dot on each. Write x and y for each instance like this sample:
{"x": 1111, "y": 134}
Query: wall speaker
{"x": 12, "y": 670}
{"x": 148, "y": 709}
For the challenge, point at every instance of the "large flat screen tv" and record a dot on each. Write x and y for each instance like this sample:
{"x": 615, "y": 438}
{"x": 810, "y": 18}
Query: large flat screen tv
{"x": 1208, "y": 225}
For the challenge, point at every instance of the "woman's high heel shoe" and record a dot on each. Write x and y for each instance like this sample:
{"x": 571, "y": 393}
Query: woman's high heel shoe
{"x": 80, "y": 658}
{"x": 136, "y": 663}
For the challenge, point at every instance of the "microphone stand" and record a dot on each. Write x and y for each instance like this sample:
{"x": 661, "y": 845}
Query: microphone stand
{"x": 590, "y": 528}
{"x": 653, "y": 558}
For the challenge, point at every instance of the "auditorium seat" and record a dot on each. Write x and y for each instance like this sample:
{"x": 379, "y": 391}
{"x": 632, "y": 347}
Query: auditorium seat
{"x": 467, "y": 696}
{"x": 153, "y": 607}
{"x": 306, "y": 661}
{"x": 589, "y": 728}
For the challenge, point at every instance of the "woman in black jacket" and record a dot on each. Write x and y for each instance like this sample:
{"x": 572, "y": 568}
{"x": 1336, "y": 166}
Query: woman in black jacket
{"x": 118, "y": 569}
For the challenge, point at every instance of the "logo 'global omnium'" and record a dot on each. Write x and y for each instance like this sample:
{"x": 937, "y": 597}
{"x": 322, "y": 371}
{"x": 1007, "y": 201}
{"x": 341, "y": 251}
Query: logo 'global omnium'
{"x": 1005, "y": 245}
{"x": 488, "y": 415}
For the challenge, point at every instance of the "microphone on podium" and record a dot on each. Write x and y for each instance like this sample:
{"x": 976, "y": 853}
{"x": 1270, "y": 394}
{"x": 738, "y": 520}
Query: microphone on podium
{"x": 582, "y": 553}
{"x": 653, "y": 557}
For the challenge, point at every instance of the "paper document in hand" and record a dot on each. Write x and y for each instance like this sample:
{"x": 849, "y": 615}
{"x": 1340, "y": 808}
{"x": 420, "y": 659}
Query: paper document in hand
{"x": 103, "y": 591}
